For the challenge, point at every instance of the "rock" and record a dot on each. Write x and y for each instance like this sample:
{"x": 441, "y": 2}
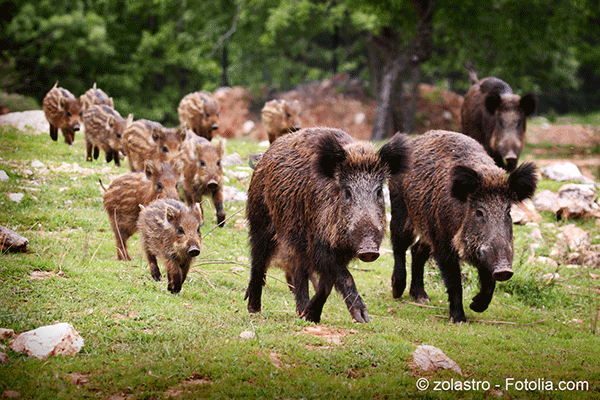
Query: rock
{"x": 431, "y": 358}
{"x": 524, "y": 212}
{"x": 37, "y": 164}
{"x": 565, "y": 172}
{"x": 232, "y": 159}
{"x": 547, "y": 261}
{"x": 576, "y": 201}
{"x": 16, "y": 197}
{"x": 248, "y": 126}
{"x": 6, "y": 333}
{"x": 3, "y": 176}
{"x": 12, "y": 241}
{"x": 546, "y": 200}
{"x": 574, "y": 237}
{"x": 3, "y": 358}
{"x": 48, "y": 340}
{"x": 231, "y": 194}
{"x": 247, "y": 335}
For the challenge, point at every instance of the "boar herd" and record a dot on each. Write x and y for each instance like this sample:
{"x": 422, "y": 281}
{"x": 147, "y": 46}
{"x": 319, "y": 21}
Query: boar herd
{"x": 317, "y": 196}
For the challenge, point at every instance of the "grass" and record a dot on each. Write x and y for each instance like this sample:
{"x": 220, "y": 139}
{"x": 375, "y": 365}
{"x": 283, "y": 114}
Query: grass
{"x": 141, "y": 342}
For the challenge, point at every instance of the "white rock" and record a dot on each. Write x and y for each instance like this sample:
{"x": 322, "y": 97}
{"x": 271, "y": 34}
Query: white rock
{"x": 524, "y": 212}
{"x": 564, "y": 172}
{"x": 575, "y": 238}
{"x": 37, "y": 164}
{"x": 232, "y": 159}
{"x": 359, "y": 118}
{"x": 48, "y": 340}
{"x": 431, "y": 358}
{"x": 248, "y": 126}
{"x": 3, "y": 176}
{"x": 248, "y": 335}
{"x": 16, "y": 197}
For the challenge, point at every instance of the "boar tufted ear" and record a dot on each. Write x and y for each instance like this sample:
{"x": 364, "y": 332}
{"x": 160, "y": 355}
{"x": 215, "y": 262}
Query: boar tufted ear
{"x": 197, "y": 211}
{"x": 330, "y": 154}
{"x": 150, "y": 169}
{"x": 523, "y": 181}
{"x": 528, "y": 103}
{"x": 493, "y": 101}
{"x": 171, "y": 213}
{"x": 396, "y": 153}
{"x": 464, "y": 181}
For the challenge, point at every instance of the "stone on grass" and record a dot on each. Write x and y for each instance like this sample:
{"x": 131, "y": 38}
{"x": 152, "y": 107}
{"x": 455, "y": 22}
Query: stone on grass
{"x": 431, "y": 359}
{"x": 49, "y": 340}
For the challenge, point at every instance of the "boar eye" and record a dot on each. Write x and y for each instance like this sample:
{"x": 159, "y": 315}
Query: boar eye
{"x": 165, "y": 149}
{"x": 180, "y": 230}
{"x": 347, "y": 194}
{"x": 379, "y": 193}
{"x": 198, "y": 229}
{"x": 118, "y": 135}
{"x": 288, "y": 115}
{"x": 479, "y": 213}
{"x": 202, "y": 163}
{"x": 68, "y": 113}
{"x": 159, "y": 186}
{"x": 207, "y": 115}
{"x": 219, "y": 163}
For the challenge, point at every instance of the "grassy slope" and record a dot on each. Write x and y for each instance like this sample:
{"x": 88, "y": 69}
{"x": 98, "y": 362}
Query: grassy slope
{"x": 141, "y": 342}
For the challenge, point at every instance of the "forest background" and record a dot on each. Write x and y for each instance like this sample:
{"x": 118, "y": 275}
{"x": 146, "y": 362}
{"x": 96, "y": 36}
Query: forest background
{"x": 148, "y": 54}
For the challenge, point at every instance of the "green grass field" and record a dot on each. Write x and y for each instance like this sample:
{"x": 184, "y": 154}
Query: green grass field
{"x": 141, "y": 342}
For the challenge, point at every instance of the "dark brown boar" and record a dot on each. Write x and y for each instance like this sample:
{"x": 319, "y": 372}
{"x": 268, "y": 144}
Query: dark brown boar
{"x": 63, "y": 111}
{"x": 171, "y": 231}
{"x": 319, "y": 194}
{"x": 104, "y": 128}
{"x": 279, "y": 117}
{"x": 457, "y": 201}
{"x": 148, "y": 140}
{"x": 200, "y": 113}
{"x": 124, "y": 196}
{"x": 202, "y": 172}
{"x": 496, "y": 117}
{"x": 95, "y": 96}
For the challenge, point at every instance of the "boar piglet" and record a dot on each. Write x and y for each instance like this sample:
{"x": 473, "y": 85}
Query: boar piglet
{"x": 171, "y": 231}
{"x": 148, "y": 140}
{"x": 124, "y": 196}
{"x": 319, "y": 195}
{"x": 63, "y": 111}
{"x": 200, "y": 112}
{"x": 202, "y": 172}
{"x": 104, "y": 128}
{"x": 280, "y": 117}
{"x": 496, "y": 117}
{"x": 457, "y": 202}
{"x": 95, "y": 96}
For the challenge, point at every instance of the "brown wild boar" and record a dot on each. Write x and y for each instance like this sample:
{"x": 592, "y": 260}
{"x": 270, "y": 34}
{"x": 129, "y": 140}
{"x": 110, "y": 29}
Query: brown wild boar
{"x": 63, "y": 111}
{"x": 104, "y": 128}
{"x": 279, "y": 117}
{"x": 457, "y": 201}
{"x": 95, "y": 96}
{"x": 319, "y": 194}
{"x": 124, "y": 196}
{"x": 497, "y": 118}
{"x": 202, "y": 172}
{"x": 200, "y": 112}
{"x": 148, "y": 140}
{"x": 171, "y": 231}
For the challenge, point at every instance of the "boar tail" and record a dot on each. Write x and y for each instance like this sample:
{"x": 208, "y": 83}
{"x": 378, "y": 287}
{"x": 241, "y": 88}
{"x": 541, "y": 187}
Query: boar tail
{"x": 472, "y": 74}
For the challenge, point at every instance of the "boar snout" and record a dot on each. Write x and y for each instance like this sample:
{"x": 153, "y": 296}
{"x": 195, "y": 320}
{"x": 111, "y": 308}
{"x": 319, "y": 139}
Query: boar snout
{"x": 503, "y": 271}
{"x": 193, "y": 250}
{"x": 76, "y": 127}
{"x": 212, "y": 184}
{"x": 214, "y": 127}
{"x": 368, "y": 250}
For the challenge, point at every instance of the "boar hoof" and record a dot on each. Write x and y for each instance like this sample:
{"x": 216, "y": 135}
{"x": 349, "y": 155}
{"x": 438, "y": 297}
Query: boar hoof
{"x": 419, "y": 296}
{"x": 360, "y": 316}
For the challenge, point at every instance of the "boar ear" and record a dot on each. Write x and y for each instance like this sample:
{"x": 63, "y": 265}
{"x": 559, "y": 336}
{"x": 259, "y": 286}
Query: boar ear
{"x": 181, "y": 132}
{"x": 150, "y": 169}
{"x": 110, "y": 122}
{"x": 221, "y": 148}
{"x": 197, "y": 211}
{"x": 171, "y": 213}
{"x": 296, "y": 106}
{"x": 465, "y": 181}
{"x": 157, "y": 133}
{"x": 396, "y": 153}
{"x": 528, "y": 103}
{"x": 523, "y": 181}
{"x": 62, "y": 102}
{"x": 330, "y": 154}
{"x": 493, "y": 101}
{"x": 129, "y": 120}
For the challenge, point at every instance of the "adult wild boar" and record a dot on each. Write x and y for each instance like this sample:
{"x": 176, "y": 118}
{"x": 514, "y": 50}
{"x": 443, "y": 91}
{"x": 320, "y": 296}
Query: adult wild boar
{"x": 457, "y": 201}
{"x": 63, "y": 111}
{"x": 319, "y": 194}
{"x": 496, "y": 117}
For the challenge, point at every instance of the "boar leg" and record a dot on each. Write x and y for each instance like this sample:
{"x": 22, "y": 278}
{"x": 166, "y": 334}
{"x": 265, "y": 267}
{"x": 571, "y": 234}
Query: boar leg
{"x": 450, "y": 270}
{"x": 420, "y": 253}
{"x": 154, "y": 271}
{"x": 69, "y": 135}
{"x": 88, "y": 151}
{"x": 482, "y": 300}
{"x": 53, "y": 132}
{"x": 175, "y": 276}
{"x": 300, "y": 282}
{"x": 96, "y": 152}
{"x": 217, "y": 199}
{"x": 400, "y": 243}
{"x": 262, "y": 247}
{"x": 315, "y": 305}
{"x": 346, "y": 286}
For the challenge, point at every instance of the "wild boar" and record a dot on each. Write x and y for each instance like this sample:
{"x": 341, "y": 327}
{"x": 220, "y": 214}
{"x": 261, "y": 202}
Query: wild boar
{"x": 171, "y": 231}
{"x": 319, "y": 194}
{"x": 104, "y": 128}
{"x": 202, "y": 173}
{"x": 124, "y": 196}
{"x": 63, "y": 111}
{"x": 497, "y": 118}
{"x": 95, "y": 96}
{"x": 279, "y": 117}
{"x": 457, "y": 201}
{"x": 200, "y": 112}
{"x": 148, "y": 140}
